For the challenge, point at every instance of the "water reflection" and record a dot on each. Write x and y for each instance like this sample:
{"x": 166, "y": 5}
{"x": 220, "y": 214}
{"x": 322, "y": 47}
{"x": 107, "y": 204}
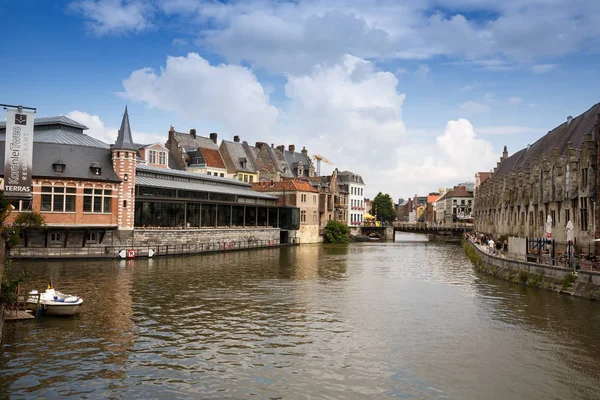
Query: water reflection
{"x": 367, "y": 320}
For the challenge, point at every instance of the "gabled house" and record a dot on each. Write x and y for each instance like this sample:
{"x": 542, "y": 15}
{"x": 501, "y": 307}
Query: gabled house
{"x": 194, "y": 153}
{"x": 300, "y": 163}
{"x": 271, "y": 163}
{"x": 155, "y": 154}
{"x": 240, "y": 160}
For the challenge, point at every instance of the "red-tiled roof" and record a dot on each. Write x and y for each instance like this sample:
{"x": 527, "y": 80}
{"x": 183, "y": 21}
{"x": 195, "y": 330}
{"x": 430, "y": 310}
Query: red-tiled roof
{"x": 432, "y": 197}
{"x": 290, "y": 185}
{"x": 460, "y": 191}
{"x": 483, "y": 176}
{"x": 212, "y": 157}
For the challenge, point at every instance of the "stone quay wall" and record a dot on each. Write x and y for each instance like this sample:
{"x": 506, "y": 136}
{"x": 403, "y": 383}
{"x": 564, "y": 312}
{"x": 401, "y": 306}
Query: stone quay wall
{"x": 584, "y": 284}
{"x": 161, "y": 242}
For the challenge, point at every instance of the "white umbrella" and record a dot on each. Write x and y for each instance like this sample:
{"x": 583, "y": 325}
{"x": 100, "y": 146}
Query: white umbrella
{"x": 570, "y": 237}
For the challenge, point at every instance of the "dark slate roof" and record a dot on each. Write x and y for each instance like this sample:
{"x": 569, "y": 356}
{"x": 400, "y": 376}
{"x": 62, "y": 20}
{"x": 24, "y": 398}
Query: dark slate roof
{"x": 196, "y": 157}
{"x": 293, "y": 158}
{"x": 124, "y": 139}
{"x": 199, "y": 186}
{"x": 347, "y": 176}
{"x": 58, "y": 120}
{"x": 63, "y": 136}
{"x": 556, "y": 138}
{"x": 189, "y": 143}
{"x": 281, "y": 163}
{"x": 77, "y": 160}
{"x": 238, "y": 151}
{"x": 211, "y": 179}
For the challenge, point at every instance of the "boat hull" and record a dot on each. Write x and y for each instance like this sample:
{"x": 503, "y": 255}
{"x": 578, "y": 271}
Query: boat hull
{"x": 63, "y": 309}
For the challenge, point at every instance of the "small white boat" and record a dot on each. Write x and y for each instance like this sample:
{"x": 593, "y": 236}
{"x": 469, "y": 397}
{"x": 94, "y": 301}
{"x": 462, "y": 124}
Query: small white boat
{"x": 54, "y": 302}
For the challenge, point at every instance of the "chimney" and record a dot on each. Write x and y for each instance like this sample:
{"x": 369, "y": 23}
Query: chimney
{"x": 292, "y": 148}
{"x": 171, "y": 133}
{"x": 569, "y": 119}
{"x": 259, "y": 145}
{"x": 236, "y": 139}
{"x": 213, "y": 137}
{"x": 281, "y": 148}
{"x": 304, "y": 151}
{"x": 193, "y": 133}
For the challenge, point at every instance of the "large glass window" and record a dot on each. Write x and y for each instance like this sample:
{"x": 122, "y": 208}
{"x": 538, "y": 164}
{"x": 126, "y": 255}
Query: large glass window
{"x": 261, "y": 218}
{"x": 193, "y": 215}
{"x": 152, "y": 157}
{"x": 238, "y": 215}
{"x": 250, "y": 216}
{"x": 223, "y": 215}
{"x": 209, "y": 217}
{"x": 273, "y": 217}
{"x": 97, "y": 200}
{"x": 58, "y": 199}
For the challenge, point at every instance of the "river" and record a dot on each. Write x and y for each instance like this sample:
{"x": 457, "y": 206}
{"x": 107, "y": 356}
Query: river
{"x": 407, "y": 320}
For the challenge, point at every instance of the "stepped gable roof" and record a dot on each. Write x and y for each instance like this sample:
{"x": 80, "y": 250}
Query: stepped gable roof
{"x": 212, "y": 157}
{"x": 188, "y": 142}
{"x": 288, "y": 185}
{"x": 77, "y": 160}
{"x": 556, "y": 138}
{"x": 239, "y": 151}
{"x": 280, "y": 162}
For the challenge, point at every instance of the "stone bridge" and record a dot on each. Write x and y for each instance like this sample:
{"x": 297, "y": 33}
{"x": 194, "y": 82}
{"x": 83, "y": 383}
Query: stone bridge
{"x": 449, "y": 229}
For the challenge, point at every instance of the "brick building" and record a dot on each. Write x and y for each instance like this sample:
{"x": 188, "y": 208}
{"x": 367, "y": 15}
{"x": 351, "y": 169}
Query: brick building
{"x": 301, "y": 194}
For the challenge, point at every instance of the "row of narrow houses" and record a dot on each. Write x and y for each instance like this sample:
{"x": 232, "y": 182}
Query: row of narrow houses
{"x": 556, "y": 176}
{"x": 91, "y": 193}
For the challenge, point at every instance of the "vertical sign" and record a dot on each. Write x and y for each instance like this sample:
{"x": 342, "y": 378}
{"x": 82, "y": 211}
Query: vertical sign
{"x": 18, "y": 153}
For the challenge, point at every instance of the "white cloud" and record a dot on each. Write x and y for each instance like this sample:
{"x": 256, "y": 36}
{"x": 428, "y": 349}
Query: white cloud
{"x": 474, "y": 107}
{"x": 105, "y": 17}
{"x": 543, "y": 68}
{"x": 507, "y": 130}
{"x": 467, "y": 88}
{"x": 291, "y": 37}
{"x": 401, "y": 71}
{"x": 423, "y": 168}
{"x": 198, "y": 91}
{"x": 422, "y": 71}
{"x": 515, "y": 100}
{"x": 98, "y": 130}
{"x": 179, "y": 42}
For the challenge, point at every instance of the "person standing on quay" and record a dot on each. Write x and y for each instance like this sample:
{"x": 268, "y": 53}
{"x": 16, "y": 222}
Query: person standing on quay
{"x": 491, "y": 246}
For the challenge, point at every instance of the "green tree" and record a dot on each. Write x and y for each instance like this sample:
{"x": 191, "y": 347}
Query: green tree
{"x": 383, "y": 206}
{"x": 336, "y": 232}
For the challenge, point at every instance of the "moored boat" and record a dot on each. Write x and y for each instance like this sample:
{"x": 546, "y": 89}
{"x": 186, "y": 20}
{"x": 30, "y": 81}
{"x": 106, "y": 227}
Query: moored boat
{"x": 54, "y": 302}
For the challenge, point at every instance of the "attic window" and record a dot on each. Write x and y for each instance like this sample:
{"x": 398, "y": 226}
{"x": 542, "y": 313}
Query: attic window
{"x": 243, "y": 162}
{"x": 58, "y": 166}
{"x": 96, "y": 168}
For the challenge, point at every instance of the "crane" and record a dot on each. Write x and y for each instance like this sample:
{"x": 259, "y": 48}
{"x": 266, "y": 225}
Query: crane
{"x": 320, "y": 158}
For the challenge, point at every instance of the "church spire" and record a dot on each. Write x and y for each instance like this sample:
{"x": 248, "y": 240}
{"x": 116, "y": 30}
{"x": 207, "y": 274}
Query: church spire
{"x": 124, "y": 140}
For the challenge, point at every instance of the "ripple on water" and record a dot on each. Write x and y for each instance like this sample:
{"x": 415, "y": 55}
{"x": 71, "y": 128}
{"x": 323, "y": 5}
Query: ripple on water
{"x": 372, "y": 320}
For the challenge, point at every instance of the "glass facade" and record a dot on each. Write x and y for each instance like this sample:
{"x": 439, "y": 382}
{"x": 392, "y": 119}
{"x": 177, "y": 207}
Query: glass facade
{"x": 160, "y": 207}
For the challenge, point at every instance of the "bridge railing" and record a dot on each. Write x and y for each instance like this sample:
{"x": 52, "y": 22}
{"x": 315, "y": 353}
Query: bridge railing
{"x": 424, "y": 225}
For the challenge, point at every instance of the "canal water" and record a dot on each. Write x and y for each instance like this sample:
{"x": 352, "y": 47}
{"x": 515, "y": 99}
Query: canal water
{"x": 406, "y": 320}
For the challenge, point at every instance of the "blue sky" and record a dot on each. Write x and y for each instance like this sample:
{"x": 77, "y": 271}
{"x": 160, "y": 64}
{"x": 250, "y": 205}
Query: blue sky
{"x": 412, "y": 95}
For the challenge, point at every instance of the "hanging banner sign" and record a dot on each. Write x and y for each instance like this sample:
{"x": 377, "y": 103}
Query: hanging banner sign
{"x": 18, "y": 153}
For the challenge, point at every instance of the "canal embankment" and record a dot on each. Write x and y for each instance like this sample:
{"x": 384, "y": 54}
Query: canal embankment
{"x": 581, "y": 283}
{"x": 156, "y": 242}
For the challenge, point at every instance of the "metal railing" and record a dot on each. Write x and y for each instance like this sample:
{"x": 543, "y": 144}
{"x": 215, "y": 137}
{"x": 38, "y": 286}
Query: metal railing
{"x": 144, "y": 250}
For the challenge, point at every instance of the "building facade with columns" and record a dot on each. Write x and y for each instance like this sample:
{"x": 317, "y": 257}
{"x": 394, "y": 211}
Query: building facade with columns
{"x": 556, "y": 176}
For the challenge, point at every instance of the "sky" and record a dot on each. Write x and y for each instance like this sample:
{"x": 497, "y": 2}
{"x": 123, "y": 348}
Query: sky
{"x": 412, "y": 95}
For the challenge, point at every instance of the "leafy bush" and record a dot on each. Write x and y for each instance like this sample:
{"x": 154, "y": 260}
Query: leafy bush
{"x": 336, "y": 232}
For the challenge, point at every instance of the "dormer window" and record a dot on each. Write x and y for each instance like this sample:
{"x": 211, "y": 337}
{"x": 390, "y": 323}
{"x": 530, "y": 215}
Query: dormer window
{"x": 58, "y": 166}
{"x": 157, "y": 157}
{"x": 96, "y": 168}
{"x": 243, "y": 162}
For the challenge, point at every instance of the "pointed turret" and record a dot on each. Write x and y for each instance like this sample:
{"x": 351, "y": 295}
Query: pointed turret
{"x": 124, "y": 140}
